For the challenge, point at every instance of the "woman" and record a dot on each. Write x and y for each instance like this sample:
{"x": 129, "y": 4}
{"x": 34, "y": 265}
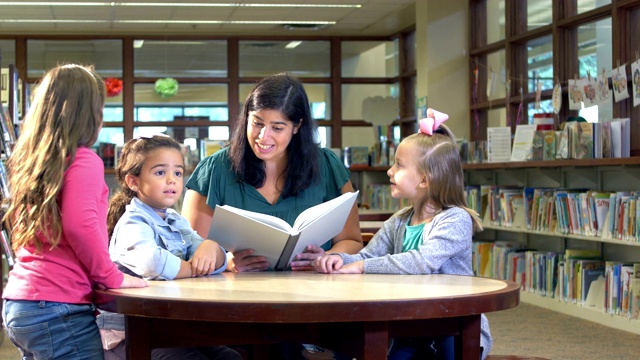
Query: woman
{"x": 272, "y": 166}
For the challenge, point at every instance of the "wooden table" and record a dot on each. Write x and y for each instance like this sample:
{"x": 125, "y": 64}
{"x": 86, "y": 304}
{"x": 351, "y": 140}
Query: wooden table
{"x": 352, "y": 314}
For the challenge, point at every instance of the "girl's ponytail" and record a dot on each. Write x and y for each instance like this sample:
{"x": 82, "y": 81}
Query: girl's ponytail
{"x": 117, "y": 206}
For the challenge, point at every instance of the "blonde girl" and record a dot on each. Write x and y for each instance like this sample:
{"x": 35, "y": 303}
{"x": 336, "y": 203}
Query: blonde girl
{"x": 433, "y": 236}
{"x": 57, "y": 216}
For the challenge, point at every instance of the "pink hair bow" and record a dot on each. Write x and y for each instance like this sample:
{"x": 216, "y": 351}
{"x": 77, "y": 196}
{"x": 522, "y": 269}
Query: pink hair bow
{"x": 433, "y": 120}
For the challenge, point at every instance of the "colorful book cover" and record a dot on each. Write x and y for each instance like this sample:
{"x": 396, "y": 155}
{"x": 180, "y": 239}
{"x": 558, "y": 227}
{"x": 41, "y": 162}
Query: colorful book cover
{"x": 602, "y": 200}
{"x": 549, "y": 145}
{"x": 563, "y": 150}
{"x": 582, "y": 140}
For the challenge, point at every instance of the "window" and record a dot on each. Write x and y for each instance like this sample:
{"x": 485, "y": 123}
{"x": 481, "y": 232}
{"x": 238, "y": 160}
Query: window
{"x": 208, "y": 85}
{"x": 545, "y": 43}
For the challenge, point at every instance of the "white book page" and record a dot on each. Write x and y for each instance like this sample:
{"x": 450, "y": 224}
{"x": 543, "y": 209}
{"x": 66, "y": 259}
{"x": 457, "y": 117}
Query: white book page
{"x": 237, "y": 232}
{"x": 328, "y": 226}
{"x": 270, "y": 220}
{"x": 311, "y": 214}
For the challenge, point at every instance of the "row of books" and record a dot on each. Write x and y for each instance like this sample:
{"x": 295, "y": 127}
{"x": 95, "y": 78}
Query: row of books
{"x": 473, "y": 152}
{"x": 577, "y": 140}
{"x": 381, "y": 153}
{"x": 378, "y": 196}
{"x": 9, "y": 132}
{"x": 577, "y": 276}
{"x": 605, "y": 139}
{"x": 608, "y": 215}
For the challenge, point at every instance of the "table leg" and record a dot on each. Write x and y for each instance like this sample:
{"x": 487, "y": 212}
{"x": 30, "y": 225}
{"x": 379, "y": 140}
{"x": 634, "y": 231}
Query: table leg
{"x": 375, "y": 341}
{"x": 467, "y": 344}
{"x": 138, "y": 338}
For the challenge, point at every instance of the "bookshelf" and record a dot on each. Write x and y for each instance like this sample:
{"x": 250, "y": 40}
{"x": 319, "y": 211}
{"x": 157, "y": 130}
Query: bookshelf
{"x": 610, "y": 175}
{"x": 7, "y": 140}
{"x": 373, "y": 183}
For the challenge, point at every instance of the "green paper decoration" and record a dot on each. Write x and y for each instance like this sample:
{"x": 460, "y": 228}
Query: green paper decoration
{"x": 166, "y": 87}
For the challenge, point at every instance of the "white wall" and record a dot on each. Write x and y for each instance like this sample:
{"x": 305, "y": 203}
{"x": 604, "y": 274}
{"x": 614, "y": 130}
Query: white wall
{"x": 442, "y": 38}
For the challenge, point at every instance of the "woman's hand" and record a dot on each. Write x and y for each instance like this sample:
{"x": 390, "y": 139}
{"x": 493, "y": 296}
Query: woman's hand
{"x": 244, "y": 260}
{"x": 304, "y": 260}
{"x": 206, "y": 259}
{"x": 133, "y": 282}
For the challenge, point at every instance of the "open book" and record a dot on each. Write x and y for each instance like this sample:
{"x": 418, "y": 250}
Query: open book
{"x": 272, "y": 237}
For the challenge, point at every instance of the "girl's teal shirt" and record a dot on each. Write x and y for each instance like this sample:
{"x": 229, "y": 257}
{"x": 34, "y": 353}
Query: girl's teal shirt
{"x": 214, "y": 178}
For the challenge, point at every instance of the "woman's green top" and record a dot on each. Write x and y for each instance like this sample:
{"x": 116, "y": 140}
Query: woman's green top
{"x": 214, "y": 178}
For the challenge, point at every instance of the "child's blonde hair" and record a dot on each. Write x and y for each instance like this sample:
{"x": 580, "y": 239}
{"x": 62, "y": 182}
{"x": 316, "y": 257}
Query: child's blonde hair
{"x": 440, "y": 163}
{"x": 66, "y": 113}
{"x": 131, "y": 162}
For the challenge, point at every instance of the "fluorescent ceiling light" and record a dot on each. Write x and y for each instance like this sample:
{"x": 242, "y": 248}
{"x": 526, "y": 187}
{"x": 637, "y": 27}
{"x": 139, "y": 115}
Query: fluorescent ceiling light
{"x": 192, "y": 22}
{"x": 292, "y": 44}
{"x": 176, "y": 4}
{"x": 137, "y": 44}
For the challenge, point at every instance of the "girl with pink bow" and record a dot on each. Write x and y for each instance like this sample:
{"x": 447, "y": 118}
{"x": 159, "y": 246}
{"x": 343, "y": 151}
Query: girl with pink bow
{"x": 432, "y": 236}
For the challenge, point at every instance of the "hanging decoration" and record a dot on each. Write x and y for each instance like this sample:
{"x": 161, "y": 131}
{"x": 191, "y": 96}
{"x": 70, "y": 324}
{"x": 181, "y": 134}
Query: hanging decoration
{"x": 166, "y": 87}
{"x": 113, "y": 85}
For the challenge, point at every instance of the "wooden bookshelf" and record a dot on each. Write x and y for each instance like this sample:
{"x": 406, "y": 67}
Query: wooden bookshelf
{"x": 619, "y": 174}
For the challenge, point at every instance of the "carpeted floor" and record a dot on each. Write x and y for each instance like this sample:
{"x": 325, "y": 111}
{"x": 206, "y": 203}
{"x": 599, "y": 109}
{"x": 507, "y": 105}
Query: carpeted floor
{"x": 531, "y": 331}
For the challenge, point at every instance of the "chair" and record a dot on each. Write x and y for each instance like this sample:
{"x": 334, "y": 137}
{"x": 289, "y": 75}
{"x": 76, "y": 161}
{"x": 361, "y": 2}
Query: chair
{"x": 366, "y": 236}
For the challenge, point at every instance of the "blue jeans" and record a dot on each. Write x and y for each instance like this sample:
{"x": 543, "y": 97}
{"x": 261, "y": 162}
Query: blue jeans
{"x": 432, "y": 348}
{"x": 50, "y": 330}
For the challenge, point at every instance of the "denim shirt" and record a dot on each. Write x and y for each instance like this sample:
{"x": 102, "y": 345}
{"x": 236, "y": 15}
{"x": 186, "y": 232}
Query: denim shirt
{"x": 144, "y": 244}
{"x": 148, "y": 246}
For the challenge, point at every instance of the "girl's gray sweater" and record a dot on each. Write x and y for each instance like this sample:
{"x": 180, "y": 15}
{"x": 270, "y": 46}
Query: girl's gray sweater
{"x": 445, "y": 249}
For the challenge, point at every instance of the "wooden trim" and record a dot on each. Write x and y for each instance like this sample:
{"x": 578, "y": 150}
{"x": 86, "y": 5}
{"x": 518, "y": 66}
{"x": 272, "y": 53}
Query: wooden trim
{"x": 555, "y": 163}
{"x": 128, "y": 89}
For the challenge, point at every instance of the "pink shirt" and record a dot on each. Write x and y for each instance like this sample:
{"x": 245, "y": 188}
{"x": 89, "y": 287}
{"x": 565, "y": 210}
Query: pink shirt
{"x": 70, "y": 271}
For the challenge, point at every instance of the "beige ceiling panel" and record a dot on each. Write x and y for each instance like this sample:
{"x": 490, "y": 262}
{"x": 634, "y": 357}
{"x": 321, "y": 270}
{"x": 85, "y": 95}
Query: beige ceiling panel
{"x": 254, "y": 13}
{"x": 147, "y": 13}
{"x": 20, "y": 13}
{"x": 317, "y": 14}
{"x": 221, "y": 13}
{"x": 371, "y": 18}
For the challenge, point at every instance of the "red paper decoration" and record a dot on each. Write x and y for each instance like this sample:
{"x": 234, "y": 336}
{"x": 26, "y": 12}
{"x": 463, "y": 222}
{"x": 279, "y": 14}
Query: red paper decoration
{"x": 114, "y": 86}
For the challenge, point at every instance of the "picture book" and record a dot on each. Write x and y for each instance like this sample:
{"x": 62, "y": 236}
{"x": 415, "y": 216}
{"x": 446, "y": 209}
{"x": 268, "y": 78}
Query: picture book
{"x": 591, "y": 271}
{"x": 581, "y": 140}
{"x": 549, "y": 145}
{"x": 523, "y": 142}
{"x": 237, "y": 229}
{"x": 606, "y": 139}
{"x": 210, "y": 147}
{"x": 602, "y": 209}
{"x": 537, "y": 146}
{"x": 563, "y": 149}
{"x": 356, "y": 156}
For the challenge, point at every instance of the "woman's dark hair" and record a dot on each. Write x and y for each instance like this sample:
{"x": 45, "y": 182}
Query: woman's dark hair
{"x": 131, "y": 162}
{"x": 283, "y": 93}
